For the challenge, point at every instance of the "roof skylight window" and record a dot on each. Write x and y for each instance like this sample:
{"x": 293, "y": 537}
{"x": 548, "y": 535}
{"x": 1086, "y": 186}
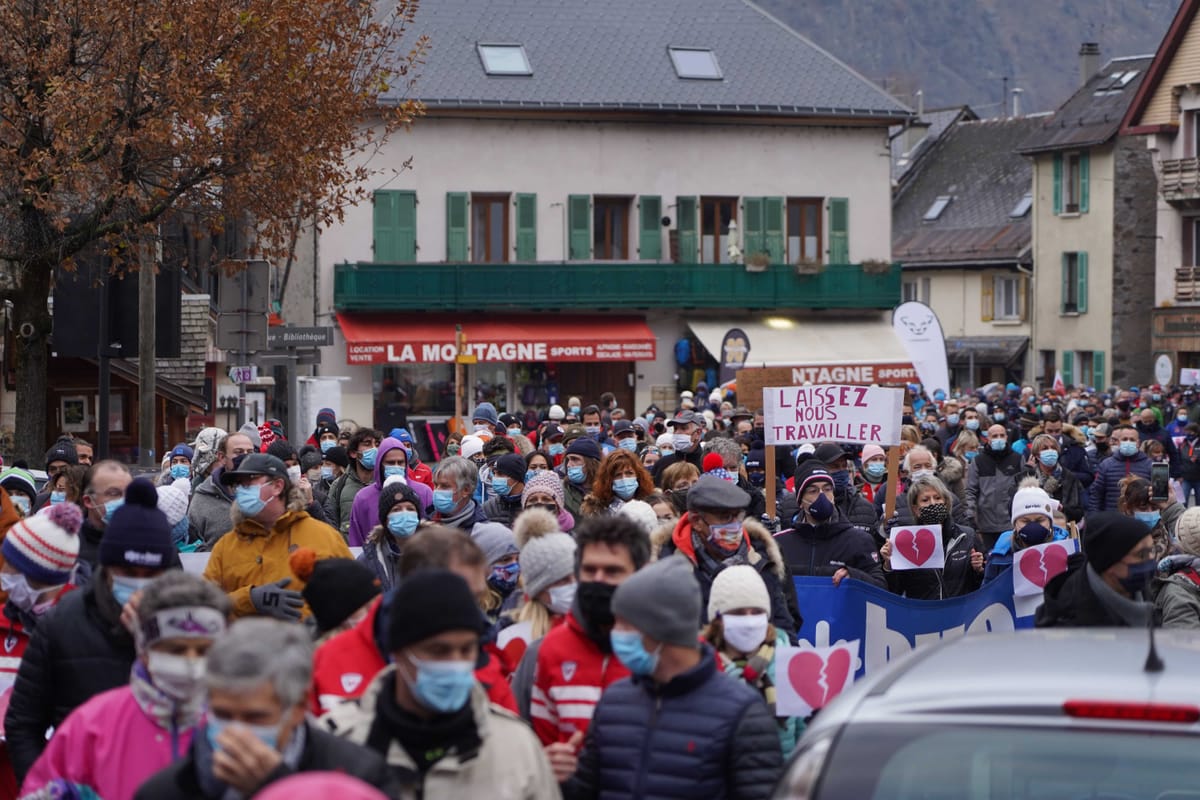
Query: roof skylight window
{"x": 504, "y": 59}
{"x": 695, "y": 63}
{"x": 1022, "y": 207}
{"x": 939, "y": 205}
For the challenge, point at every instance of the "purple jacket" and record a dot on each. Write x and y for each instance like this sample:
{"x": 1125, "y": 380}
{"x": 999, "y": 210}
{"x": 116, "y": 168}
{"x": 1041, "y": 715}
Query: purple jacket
{"x": 364, "y": 514}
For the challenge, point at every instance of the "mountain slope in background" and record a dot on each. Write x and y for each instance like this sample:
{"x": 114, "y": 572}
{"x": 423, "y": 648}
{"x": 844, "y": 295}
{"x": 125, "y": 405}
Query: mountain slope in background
{"x": 959, "y": 51}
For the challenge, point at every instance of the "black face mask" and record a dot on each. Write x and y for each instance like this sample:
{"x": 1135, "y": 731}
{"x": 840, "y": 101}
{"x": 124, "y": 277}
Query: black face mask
{"x": 594, "y": 601}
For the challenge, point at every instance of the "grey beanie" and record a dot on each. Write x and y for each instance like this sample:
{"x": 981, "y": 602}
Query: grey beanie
{"x": 662, "y": 601}
{"x": 495, "y": 540}
{"x": 250, "y": 430}
{"x": 547, "y": 554}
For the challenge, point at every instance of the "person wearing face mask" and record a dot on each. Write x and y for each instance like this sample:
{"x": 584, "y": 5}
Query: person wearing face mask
{"x": 391, "y": 460}
{"x": 950, "y": 426}
{"x": 454, "y": 505}
{"x": 400, "y": 516}
{"x": 256, "y": 680}
{"x": 547, "y": 589}
{"x": 544, "y": 490}
{"x": 745, "y": 640}
{"x": 179, "y": 464}
{"x": 21, "y": 489}
{"x": 1127, "y": 459}
{"x": 715, "y": 534}
{"x": 417, "y": 471}
{"x": 1107, "y": 585}
{"x": 687, "y": 431}
{"x": 504, "y": 571}
{"x": 930, "y": 503}
{"x": 333, "y": 463}
{"x": 677, "y": 694}
{"x": 103, "y": 493}
{"x": 250, "y": 563}
{"x": 580, "y": 467}
{"x": 485, "y": 422}
{"x": 1098, "y": 448}
{"x": 850, "y": 503}
{"x": 575, "y": 662}
{"x": 874, "y": 470}
{"x": 619, "y": 479}
{"x": 427, "y": 715}
{"x": 1189, "y": 460}
{"x": 1158, "y": 515}
{"x": 508, "y": 482}
{"x": 149, "y": 722}
{"x": 625, "y": 435}
{"x": 552, "y": 444}
{"x": 338, "y": 590}
{"x": 363, "y": 454}
{"x": 821, "y": 542}
{"x": 83, "y": 649}
{"x": 1045, "y": 463}
{"x": 1149, "y": 427}
{"x": 1177, "y": 585}
{"x": 991, "y": 483}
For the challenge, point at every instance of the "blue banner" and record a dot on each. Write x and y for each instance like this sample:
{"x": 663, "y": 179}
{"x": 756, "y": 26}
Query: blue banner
{"x": 889, "y": 626}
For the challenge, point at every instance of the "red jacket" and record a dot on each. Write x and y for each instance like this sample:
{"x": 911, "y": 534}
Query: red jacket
{"x": 421, "y": 473}
{"x": 345, "y": 664}
{"x": 572, "y": 673}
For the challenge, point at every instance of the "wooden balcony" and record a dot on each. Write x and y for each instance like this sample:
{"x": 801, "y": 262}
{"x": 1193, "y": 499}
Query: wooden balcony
{"x": 1180, "y": 180}
{"x": 1187, "y": 284}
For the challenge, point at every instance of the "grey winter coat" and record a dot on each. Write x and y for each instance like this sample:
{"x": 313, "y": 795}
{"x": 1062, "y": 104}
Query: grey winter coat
{"x": 1178, "y": 599}
{"x": 209, "y": 511}
{"x": 340, "y": 501}
{"x": 991, "y": 483}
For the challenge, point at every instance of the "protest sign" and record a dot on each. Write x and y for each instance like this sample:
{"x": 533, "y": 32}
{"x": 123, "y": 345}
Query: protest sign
{"x": 835, "y": 413}
{"x": 808, "y": 678}
{"x": 917, "y": 547}
{"x": 1034, "y": 567}
{"x": 1189, "y": 377}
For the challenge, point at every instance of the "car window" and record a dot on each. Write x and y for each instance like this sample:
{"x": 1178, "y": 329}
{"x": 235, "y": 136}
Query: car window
{"x": 896, "y": 762}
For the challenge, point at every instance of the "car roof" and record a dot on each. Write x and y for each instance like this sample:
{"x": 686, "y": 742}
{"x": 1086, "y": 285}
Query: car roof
{"x": 1030, "y": 673}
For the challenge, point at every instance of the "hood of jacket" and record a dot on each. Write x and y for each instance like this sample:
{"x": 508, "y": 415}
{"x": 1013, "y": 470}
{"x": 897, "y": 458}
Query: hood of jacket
{"x": 1070, "y": 433}
{"x": 386, "y": 446}
{"x": 211, "y": 486}
{"x": 761, "y": 543}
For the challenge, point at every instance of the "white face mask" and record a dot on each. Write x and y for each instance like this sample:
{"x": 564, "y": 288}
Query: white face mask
{"x": 745, "y": 633}
{"x": 179, "y": 677}
{"x": 21, "y": 594}
{"x": 562, "y": 597}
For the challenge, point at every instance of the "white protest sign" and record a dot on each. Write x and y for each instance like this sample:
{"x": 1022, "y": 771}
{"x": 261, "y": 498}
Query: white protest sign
{"x": 1189, "y": 376}
{"x": 807, "y": 678}
{"x": 1036, "y": 566}
{"x": 835, "y": 413}
{"x": 917, "y": 547}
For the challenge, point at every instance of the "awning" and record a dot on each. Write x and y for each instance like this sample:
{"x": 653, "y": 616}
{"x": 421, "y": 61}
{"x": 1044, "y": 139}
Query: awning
{"x": 987, "y": 350}
{"x": 430, "y": 338}
{"x": 824, "y": 350}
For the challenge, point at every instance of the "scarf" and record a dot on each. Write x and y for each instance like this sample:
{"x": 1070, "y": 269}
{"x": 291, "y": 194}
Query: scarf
{"x": 427, "y": 741}
{"x": 202, "y": 753}
{"x": 1134, "y": 613}
{"x": 457, "y": 519}
{"x": 755, "y": 672}
{"x": 166, "y": 712}
{"x": 710, "y": 564}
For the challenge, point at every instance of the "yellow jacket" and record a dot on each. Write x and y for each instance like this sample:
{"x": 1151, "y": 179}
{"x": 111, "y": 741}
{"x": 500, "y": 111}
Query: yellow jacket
{"x": 250, "y": 555}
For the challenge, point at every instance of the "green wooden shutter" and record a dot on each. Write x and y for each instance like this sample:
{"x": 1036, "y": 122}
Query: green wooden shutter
{"x": 1066, "y": 283}
{"x": 1058, "y": 186}
{"x": 579, "y": 226}
{"x": 457, "y": 238}
{"x": 1084, "y": 176}
{"x": 1068, "y": 367}
{"x": 1098, "y": 370}
{"x": 773, "y": 224}
{"x": 753, "y": 235}
{"x": 650, "y": 227}
{"x": 1082, "y": 277}
{"x": 987, "y": 297}
{"x": 839, "y": 230}
{"x": 685, "y": 226}
{"x": 526, "y": 207}
{"x": 394, "y": 221}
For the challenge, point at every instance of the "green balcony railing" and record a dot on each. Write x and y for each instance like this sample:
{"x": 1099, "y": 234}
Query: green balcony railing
{"x": 624, "y": 285}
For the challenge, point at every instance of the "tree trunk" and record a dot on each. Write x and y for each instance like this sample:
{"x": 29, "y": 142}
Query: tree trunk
{"x": 32, "y": 326}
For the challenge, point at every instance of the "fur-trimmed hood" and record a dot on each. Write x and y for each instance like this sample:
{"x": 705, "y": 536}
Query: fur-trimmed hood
{"x": 679, "y": 536}
{"x": 1068, "y": 430}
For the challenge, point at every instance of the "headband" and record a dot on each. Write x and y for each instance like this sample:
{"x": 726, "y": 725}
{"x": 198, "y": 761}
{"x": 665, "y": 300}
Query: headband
{"x": 183, "y": 622}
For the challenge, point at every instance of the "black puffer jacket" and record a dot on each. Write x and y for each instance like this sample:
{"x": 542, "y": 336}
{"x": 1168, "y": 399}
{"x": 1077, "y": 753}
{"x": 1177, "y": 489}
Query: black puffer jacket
{"x": 954, "y": 580}
{"x": 824, "y": 549}
{"x": 79, "y": 650}
{"x": 856, "y": 508}
{"x": 1070, "y": 602}
{"x": 702, "y": 734}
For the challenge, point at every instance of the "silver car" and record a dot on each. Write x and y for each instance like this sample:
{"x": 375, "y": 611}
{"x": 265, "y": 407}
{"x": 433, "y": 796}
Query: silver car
{"x": 1077, "y": 713}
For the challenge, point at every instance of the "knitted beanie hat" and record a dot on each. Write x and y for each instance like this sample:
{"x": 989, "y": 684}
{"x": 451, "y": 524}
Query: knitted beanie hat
{"x": 396, "y": 490}
{"x": 429, "y": 602}
{"x": 173, "y": 500}
{"x": 545, "y": 482}
{"x": 139, "y": 534}
{"x": 1109, "y": 536}
{"x": 547, "y": 554}
{"x": 641, "y": 513}
{"x": 250, "y": 431}
{"x": 1032, "y": 500}
{"x": 495, "y": 540}
{"x": 471, "y": 445}
{"x": 510, "y": 466}
{"x": 662, "y": 600}
{"x": 735, "y": 587}
{"x": 19, "y": 479}
{"x": 334, "y": 587}
{"x": 45, "y": 546}
{"x": 1187, "y": 530}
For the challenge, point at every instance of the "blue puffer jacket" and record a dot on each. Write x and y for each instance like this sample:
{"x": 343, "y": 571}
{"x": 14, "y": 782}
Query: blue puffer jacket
{"x": 702, "y": 734}
{"x": 1001, "y": 557}
{"x": 1106, "y": 489}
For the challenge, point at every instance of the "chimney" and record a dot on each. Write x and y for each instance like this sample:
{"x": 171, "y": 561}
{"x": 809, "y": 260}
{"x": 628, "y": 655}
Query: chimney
{"x": 1016, "y": 102}
{"x": 1089, "y": 61}
{"x": 920, "y": 103}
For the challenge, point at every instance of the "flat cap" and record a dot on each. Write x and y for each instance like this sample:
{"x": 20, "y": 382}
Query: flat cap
{"x": 713, "y": 492}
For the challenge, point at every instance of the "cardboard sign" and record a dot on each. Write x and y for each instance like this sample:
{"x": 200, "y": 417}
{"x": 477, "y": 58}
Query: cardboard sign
{"x": 918, "y": 547}
{"x": 1034, "y": 567}
{"x": 807, "y": 678}
{"x": 1189, "y": 376}
{"x": 832, "y": 412}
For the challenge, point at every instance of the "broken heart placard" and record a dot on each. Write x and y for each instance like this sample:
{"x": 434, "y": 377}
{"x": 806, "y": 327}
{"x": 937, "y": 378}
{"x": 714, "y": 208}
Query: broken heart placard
{"x": 807, "y": 678}
{"x": 1036, "y": 566}
{"x": 918, "y": 547}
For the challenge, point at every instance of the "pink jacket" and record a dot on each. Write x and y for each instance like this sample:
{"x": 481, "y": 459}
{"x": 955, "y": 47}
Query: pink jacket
{"x": 87, "y": 749}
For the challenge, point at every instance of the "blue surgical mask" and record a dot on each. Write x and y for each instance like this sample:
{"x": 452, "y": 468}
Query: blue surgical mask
{"x": 326, "y": 473}
{"x": 180, "y": 471}
{"x": 111, "y": 507}
{"x": 557, "y": 448}
{"x": 367, "y": 458}
{"x": 213, "y": 728}
{"x": 625, "y": 488}
{"x": 504, "y": 579}
{"x": 1127, "y": 449}
{"x": 998, "y": 445}
{"x": 970, "y": 455}
{"x": 394, "y": 469}
{"x": 124, "y": 588}
{"x": 57, "y": 497}
{"x": 952, "y": 420}
{"x": 443, "y": 501}
{"x": 1048, "y": 457}
{"x": 249, "y": 499}
{"x": 972, "y": 424}
{"x": 442, "y": 686}
{"x": 501, "y": 486}
{"x": 628, "y": 443}
{"x": 328, "y": 444}
{"x": 1151, "y": 518}
{"x": 593, "y": 430}
{"x": 575, "y": 475}
{"x": 875, "y": 469}
{"x": 841, "y": 480}
{"x": 530, "y": 474}
{"x": 574, "y": 410}
{"x": 514, "y": 432}
{"x": 627, "y": 646}
{"x": 402, "y": 523}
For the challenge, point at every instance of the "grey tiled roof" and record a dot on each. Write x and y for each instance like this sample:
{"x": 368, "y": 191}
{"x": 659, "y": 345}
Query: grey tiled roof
{"x": 612, "y": 55}
{"x": 1093, "y": 114}
{"x": 934, "y": 123}
{"x": 975, "y": 163}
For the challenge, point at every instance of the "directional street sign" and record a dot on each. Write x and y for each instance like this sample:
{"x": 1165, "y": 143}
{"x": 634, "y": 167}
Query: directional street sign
{"x": 247, "y": 374}
{"x": 232, "y": 326}
{"x": 286, "y": 336}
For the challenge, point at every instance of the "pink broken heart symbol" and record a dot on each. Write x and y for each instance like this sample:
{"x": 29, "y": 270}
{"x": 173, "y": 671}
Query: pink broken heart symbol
{"x": 916, "y": 546}
{"x": 818, "y": 680}
{"x": 1048, "y": 562}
